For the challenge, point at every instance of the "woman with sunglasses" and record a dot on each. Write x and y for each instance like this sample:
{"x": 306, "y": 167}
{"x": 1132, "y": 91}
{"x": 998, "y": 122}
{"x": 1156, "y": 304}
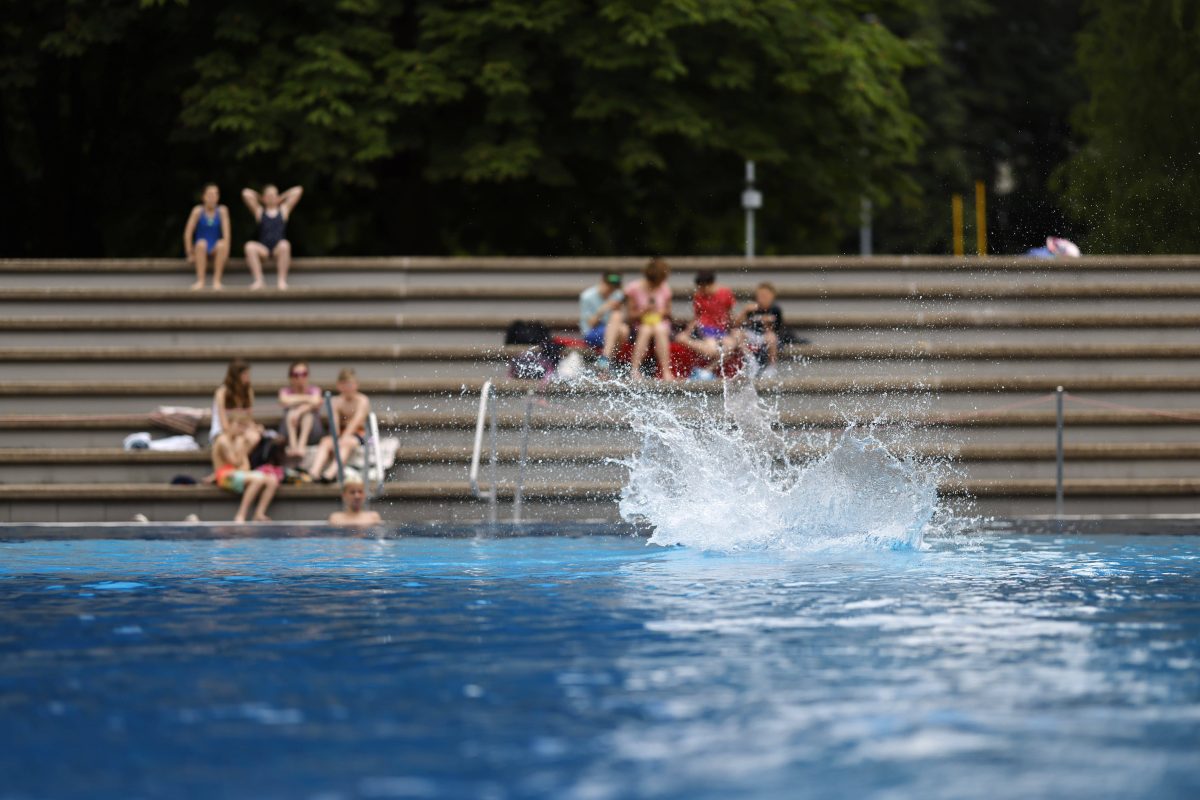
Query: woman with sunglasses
{"x": 301, "y": 403}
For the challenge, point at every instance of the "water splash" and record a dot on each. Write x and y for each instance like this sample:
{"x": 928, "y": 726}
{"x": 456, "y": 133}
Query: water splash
{"x": 729, "y": 479}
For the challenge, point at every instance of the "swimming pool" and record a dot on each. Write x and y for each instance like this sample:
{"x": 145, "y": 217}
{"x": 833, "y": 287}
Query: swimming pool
{"x": 598, "y": 667}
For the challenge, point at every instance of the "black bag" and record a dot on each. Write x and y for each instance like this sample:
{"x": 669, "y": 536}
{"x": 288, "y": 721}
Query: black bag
{"x": 523, "y": 331}
{"x": 271, "y": 449}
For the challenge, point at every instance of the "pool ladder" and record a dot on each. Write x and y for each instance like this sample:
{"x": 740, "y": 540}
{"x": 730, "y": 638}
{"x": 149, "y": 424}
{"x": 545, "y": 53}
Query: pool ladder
{"x": 372, "y": 457}
{"x": 487, "y": 416}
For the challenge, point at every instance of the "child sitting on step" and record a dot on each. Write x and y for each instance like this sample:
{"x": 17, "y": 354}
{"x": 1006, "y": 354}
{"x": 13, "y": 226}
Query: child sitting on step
{"x": 351, "y": 407}
{"x": 232, "y": 472}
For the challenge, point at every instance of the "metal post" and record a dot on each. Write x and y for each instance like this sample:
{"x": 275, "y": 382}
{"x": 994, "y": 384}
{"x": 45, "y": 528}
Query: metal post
{"x": 956, "y": 222}
{"x": 519, "y": 492}
{"x": 366, "y": 448}
{"x": 749, "y": 234}
{"x": 980, "y": 219}
{"x": 493, "y": 498}
{"x": 337, "y": 444}
{"x": 1058, "y": 482}
{"x": 864, "y": 226}
{"x": 751, "y": 201}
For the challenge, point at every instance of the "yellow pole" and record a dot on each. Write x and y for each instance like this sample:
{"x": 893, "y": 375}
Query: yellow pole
{"x": 980, "y": 219}
{"x": 956, "y": 216}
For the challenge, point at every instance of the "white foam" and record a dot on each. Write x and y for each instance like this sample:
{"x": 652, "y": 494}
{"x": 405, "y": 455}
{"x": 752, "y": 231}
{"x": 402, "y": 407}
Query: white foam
{"x": 723, "y": 480}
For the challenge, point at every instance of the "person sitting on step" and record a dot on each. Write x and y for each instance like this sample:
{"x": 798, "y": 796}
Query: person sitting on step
{"x": 232, "y": 472}
{"x": 271, "y": 211}
{"x": 648, "y": 311}
{"x": 761, "y": 328}
{"x": 351, "y": 408}
{"x": 301, "y": 402}
{"x": 709, "y": 327}
{"x": 596, "y": 304}
{"x": 353, "y": 515}
{"x": 235, "y": 395}
{"x": 207, "y": 233}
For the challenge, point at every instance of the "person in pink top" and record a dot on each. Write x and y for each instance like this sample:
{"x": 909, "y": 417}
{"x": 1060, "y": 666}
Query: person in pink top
{"x": 301, "y": 403}
{"x": 648, "y": 311}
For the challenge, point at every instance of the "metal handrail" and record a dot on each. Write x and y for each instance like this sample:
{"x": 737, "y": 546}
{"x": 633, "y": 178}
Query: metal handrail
{"x": 519, "y": 489}
{"x": 487, "y": 411}
{"x": 373, "y": 428}
{"x": 487, "y": 402}
{"x": 337, "y": 444}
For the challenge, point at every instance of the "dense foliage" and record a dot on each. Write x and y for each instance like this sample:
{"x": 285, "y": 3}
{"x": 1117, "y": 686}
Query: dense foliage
{"x": 568, "y": 126}
{"x": 1135, "y": 177}
{"x": 995, "y": 104}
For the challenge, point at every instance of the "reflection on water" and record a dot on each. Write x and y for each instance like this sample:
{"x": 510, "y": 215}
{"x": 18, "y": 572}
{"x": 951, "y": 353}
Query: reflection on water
{"x": 598, "y": 668}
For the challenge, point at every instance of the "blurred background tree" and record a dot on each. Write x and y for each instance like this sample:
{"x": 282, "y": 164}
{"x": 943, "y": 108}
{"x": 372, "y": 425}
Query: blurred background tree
{"x": 570, "y": 127}
{"x": 995, "y": 103}
{"x": 1133, "y": 180}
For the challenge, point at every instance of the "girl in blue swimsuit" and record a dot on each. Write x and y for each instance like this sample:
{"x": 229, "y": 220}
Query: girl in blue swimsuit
{"x": 207, "y": 233}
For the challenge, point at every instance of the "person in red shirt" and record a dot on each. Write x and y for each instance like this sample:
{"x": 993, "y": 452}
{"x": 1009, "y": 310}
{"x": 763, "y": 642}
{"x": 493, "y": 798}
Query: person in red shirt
{"x": 711, "y": 306}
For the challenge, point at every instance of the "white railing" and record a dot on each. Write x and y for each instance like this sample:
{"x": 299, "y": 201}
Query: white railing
{"x": 487, "y": 415}
{"x": 487, "y": 409}
{"x": 372, "y": 453}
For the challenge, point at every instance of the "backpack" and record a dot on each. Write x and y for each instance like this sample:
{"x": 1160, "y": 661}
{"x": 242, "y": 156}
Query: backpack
{"x": 533, "y": 364}
{"x": 271, "y": 449}
{"x": 523, "y": 331}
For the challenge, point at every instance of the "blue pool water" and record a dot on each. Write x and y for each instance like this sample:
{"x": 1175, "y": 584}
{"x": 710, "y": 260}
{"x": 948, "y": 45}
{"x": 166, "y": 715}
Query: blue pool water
{"x": 598, "y": 667}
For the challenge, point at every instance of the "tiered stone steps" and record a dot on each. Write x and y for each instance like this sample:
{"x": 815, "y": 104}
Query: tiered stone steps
{"x": 970, "y": 348}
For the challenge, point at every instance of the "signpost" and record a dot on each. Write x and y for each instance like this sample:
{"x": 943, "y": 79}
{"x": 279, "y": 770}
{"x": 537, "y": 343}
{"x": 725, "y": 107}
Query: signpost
{"x": 751, "y": 201}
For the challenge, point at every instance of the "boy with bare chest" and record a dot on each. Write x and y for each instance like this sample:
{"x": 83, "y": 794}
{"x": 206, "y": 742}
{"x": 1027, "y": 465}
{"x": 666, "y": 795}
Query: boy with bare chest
{"x": 350, "y": 408}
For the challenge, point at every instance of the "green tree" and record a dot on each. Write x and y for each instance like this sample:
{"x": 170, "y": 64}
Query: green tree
{"x": 90, "y": 147}
{"x": 565, "y": 125}
{"x": 1134, "y": 180}
{"x": 557, "y": 126}
{"x": 997, "y": 96}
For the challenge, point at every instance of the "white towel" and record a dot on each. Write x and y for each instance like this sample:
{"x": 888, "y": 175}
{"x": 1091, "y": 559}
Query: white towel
{"x": 177, "y": 444}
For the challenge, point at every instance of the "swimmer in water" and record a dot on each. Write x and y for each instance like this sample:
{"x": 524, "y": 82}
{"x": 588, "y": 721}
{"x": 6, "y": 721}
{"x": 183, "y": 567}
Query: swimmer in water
{"x": 353, "y": 515}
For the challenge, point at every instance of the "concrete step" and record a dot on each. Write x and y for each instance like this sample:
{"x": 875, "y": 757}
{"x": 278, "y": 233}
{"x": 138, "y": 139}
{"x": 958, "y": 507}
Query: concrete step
{"x": 312, "y": 305}
{"x": 423, "y": 333}
{"x": 383, "y": 361}
{"x": 598, "y": 462}
{"x": 917, "y": 320}
{"x": 237, "y": 277}
{"x": 85, "y": 502}
{"x": 108, "y": 270}
{"x": 802, "y": 393}
{"x": 409, "y": 502}
{"x": 903, "y": 288}
{"x": 37, "y": 334}
{"x": 545, "y": 301}
{"x": 915, "y": 351}
{"x": 597, "y": 428}
{"x": 1058, "y": 371}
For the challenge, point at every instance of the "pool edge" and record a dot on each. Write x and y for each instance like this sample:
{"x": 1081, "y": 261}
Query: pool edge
{"x": 1123, "y": 524}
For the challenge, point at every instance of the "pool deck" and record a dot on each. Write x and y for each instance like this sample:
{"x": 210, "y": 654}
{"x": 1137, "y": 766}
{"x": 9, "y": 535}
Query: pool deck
{"x": 1080, "y": 525}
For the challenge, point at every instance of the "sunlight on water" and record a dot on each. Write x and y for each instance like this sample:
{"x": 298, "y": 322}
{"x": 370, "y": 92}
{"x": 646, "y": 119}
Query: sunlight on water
{"x": 725, "y": 481}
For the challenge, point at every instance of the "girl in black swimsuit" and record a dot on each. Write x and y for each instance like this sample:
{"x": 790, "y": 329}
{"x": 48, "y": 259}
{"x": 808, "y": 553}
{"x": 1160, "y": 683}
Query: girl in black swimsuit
{"x": 271, "y": 211}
